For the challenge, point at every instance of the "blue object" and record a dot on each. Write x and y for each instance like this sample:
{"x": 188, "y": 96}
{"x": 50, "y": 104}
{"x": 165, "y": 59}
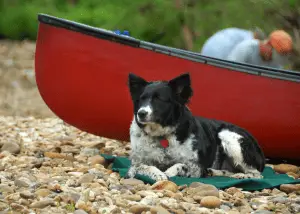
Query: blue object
{"x": 117, "y": 32}
{"x": 126, "y": 33}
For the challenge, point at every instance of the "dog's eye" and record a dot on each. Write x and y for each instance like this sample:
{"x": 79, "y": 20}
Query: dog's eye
{"x": 161, "y": 98}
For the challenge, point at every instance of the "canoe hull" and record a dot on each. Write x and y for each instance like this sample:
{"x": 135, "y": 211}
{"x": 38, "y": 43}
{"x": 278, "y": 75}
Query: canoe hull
{"x": 83, "y": 80}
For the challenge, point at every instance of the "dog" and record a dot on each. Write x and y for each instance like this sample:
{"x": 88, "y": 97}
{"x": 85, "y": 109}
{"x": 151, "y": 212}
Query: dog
{"x": 197, "y": 146}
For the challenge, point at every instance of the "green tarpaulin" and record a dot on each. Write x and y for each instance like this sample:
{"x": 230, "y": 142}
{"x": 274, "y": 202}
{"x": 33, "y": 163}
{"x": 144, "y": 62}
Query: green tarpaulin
{"x": 270, "y": 180}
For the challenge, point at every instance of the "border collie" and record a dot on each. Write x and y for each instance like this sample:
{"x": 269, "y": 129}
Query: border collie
{"x": 197, "y": 147}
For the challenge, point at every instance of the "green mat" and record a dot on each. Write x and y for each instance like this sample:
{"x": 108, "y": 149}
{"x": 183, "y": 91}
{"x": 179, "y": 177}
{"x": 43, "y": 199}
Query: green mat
{"x": 270, "y": 180}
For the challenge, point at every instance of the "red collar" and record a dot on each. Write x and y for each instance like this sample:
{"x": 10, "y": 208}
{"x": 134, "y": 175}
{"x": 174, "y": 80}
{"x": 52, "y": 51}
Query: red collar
{"x": 164, "y": 143}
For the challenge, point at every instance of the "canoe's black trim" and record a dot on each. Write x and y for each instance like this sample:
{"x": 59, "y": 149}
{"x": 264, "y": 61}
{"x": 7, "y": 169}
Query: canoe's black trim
{"x": 189, "y": 55}
{"x": 242, "y": 67}
{"x": 86, "y": 29}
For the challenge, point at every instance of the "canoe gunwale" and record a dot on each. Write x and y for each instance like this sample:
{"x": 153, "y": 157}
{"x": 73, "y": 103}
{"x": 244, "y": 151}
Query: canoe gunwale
{"x": 240, "y": 67}
{"x": 189, "y": 55}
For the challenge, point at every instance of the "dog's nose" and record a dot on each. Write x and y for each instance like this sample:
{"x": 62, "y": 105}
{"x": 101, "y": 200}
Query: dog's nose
{"x": 142, "y": 114}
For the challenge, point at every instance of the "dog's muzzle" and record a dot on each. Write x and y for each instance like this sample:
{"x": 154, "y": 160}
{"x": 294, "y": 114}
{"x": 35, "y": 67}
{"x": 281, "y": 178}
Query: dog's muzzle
{"x": 144, "y": 114}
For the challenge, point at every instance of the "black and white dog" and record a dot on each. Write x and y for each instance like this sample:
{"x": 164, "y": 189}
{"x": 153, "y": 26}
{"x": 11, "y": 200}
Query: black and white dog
{"x": 198, "y": 147}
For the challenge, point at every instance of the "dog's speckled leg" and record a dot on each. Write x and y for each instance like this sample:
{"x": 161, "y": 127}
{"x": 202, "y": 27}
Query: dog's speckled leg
{"x": 150, "y": 171}
{"x": 178, "y": 169}
{"x": 131, "y": 172}
{"x": 226, "y": 173}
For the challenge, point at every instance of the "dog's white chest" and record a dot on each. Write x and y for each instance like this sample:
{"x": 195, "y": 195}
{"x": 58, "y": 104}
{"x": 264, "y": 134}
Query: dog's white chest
{"x": 181, "y": 152}
{"x": 146, "y": 149}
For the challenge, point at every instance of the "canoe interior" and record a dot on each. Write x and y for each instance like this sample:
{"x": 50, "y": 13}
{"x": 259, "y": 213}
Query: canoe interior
{"x": 81, "y": 73}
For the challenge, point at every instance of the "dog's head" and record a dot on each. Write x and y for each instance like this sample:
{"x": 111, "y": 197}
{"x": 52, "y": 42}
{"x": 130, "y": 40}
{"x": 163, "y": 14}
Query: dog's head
{"x": 159, "y": 102}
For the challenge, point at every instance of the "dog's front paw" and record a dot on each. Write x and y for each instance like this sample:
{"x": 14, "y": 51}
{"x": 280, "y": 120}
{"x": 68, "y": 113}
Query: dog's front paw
{"x": 127, "y": 176}
{"x": 209, "y": 172}
{"x": 130, "y": 173}
{"x": 246, "y": 176}
{"x": 177, "y": 170}
{"x": 160, "y": 177}
{"x": 240, "y": 176}
{"x": 156, "y": 174}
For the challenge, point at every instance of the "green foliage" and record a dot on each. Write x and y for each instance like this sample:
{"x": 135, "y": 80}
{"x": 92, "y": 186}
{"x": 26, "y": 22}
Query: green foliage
{"x": 70, "y": 207}
{"x": 145, "y": 19}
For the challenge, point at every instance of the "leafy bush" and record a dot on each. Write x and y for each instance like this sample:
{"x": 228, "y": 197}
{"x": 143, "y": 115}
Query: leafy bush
{"x": 151, "y": 20}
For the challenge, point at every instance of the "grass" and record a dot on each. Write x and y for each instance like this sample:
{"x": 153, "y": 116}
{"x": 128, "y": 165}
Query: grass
{"x": 70, "y": 207}
{"x": 148, "y": 19}
{"x": 144, "y": 18}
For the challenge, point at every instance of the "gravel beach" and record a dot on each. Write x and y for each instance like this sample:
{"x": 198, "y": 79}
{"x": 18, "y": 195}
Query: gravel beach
{"x": 47, "y": 166}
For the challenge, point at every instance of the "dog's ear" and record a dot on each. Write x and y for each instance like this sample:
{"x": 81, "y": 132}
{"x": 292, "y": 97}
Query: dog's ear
{"x": 181, "y": 86}
{"x": 136, "y": 85}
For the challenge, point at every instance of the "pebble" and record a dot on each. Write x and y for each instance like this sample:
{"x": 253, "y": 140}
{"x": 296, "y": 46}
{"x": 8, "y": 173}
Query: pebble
{"x": 203, "y": 190}
{"x": 280, "y": 199}
{"x": 262, "y": 212}
{"x": 76, "y": 174}
{"x": 42, "y": 203}
{"x": 56, "y": 155}
{"x": 3, "y": 206}
{"x": 138, "y": 209}
{"x": 159, "y": 210}
{"x": 17, "y": 207}
{"x": 233, "y": 212}
{"x": 165, "y": 185}
{"x": 295, "y": 208}
{"x": 277, "y": 192}
{"x": 131, "y": 182}
{"x": 285, "y": 168}
{"x": 225, "y": 207}
{"x": 27, "y": 194}
{"x": 146, "y": 193}
{"x": 5, "y": 188}
{"x": 55, "y": 187}
{"x": 86, "y": 178}
{"x": 80, "y": 212}
{"x": 289, "y": 188}
{"x": 22, "y": 182}
{"x": 232, "y": 190}
{"x": 90, "y": 152}
{"x": 210, "y": 202}
{"x": 132, "y": 197}
{"x": 42, "y": 192}
{"x": 97, "y": 159}
{"x": 245, "y": 209}
{"x": 84, "y": 205}
{"x": 11, "y": 147}
{"x": 195, "y": 184}
{"x": 294, "y": 175}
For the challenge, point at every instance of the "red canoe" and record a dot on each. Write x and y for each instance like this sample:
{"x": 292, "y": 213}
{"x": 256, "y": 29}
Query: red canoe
{"x": 81, "y": 73}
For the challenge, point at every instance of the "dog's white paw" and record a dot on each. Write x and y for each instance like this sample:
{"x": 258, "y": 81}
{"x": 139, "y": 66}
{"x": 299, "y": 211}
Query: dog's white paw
{"x": 246, "y": 176}
{"x": 131, "y": 172}
{"x": 239, "y": 176}
{"x": 160, "y": 177}
{"x": 154, "y": 173}
{"x": 178, "y": 169}
{"x": 157, "y": 175}
{"x": 214, "y": 172}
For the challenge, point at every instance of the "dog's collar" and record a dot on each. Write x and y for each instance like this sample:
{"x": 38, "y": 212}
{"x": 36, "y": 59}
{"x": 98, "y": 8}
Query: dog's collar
{"x": 164, "y": 143}
{"x": 162, "y": 139}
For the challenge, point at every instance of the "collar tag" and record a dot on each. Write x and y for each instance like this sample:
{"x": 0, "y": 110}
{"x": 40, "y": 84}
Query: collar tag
{"x": 164, "y": 143}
